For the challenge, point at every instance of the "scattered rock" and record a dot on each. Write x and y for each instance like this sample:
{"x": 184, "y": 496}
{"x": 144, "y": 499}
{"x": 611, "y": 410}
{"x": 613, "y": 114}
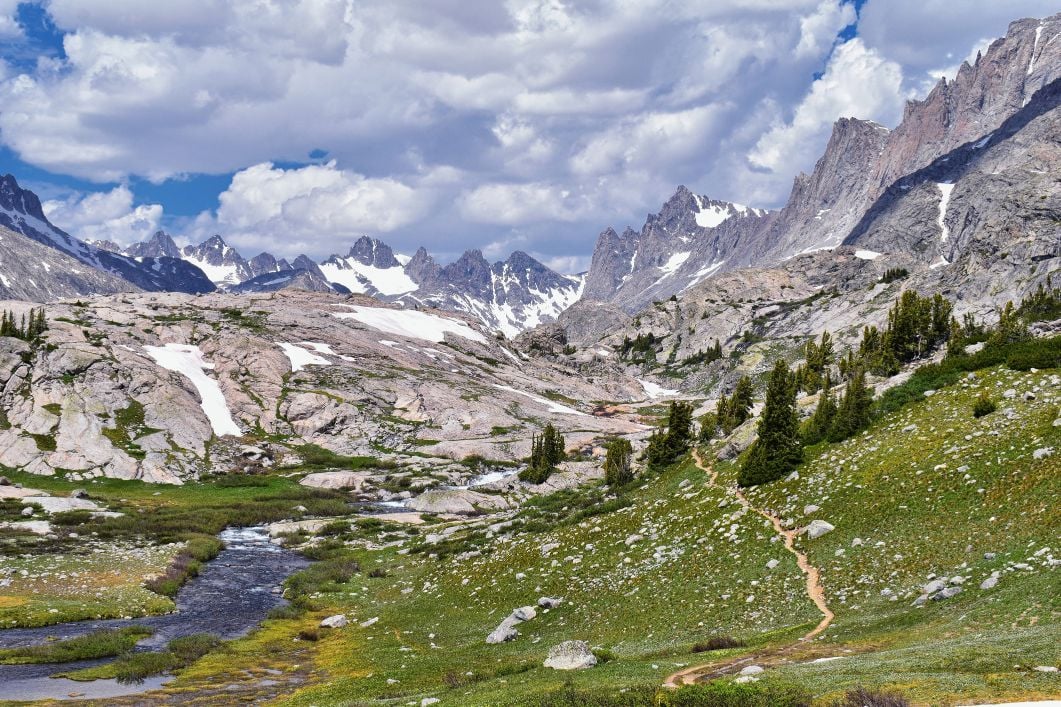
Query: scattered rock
{"x": 772, "y": 564}
{"x": 934, "y": 586}
{"x": 429, "y": 701}
{"x": 550, "y": 602}
{"x": 631, "y": 539}
{"x": 1043, "y": 453}
{"x": 989, "y": 583}
{"x": 947, "y": 593}
{"x": 370, "y": 622}
{"x": 1009, "y": 394}
{"x": 570, "y": 655}
{"x": 506, "y": 630}
{"x": 79, "y": 493}
{"x": 1045, "y": 668}
{"x": 27, "y": 511}
{"x": 818, "y": 528}
{"x": 752, "y": 670}
{"x": 810, "y": 508}
{"x": 337, "y": 621}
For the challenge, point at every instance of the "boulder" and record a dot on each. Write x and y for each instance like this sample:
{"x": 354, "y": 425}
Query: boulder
{"x": 818, "y": 528}
{"x": 934, "y": 586}
{"x": 752, "y": 670}
{"x": 570, "y": 655}
{"x": 550, "y": 602}
{"x": 79, "y": 493}
{"x": 335, "y": 479}
{"x": 810, "y": 508}
{"x": 336, "y": 621}
{"x": 457, "y": 501}
{"x": 506, "y": 630}
{"x": 989, "y": 583}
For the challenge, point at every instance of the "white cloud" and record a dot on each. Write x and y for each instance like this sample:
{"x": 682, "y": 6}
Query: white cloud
{"x": 857, "y": 82}
{"x": 468, "y": 118}
{"x": 310, "y": 208}
{"x": 9, "y": 27}
{"x": 817, "y": 31}
{"x": 104, "y": 216}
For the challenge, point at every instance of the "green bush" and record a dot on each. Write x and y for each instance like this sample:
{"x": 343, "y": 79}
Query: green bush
{"x": 98, "y": 644}
{"x": 983, "y": 406}
{"x": 731, "y": 694}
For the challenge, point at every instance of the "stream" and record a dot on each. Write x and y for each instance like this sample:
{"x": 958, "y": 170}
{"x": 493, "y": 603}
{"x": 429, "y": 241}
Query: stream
{"x": 231, "y": 596}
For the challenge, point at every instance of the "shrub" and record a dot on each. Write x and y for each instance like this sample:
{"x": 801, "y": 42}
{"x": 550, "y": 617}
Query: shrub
{"x": 717, "y": 643}
{"x": 861, "y": 697}
{"x": 983, "y": 406}
{"x": 730, "y": 694}
{"x": 98, "y": 644}
{"x": 604, "y": 655}
{"x": 309, "y": 634}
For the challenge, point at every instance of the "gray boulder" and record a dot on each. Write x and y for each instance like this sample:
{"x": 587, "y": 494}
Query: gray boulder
{"x": 818, "y": 528}
{"x": 570, "y": 655}
{"x": 337, "y": 621}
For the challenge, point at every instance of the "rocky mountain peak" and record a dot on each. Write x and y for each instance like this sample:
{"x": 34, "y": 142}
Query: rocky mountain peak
{"x": 373, "y": 252}
{"x": 422, "y": 268}
{"x": 160, "y": 244}
{"x": 15, "y": 199}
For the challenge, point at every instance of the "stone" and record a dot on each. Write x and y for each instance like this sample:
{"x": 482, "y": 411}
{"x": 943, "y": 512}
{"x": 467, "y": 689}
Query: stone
{"x": 79, "y": 493}
{"x": 336, "y": 480}
{"x": 934, "y": 586}
{"x": 910, "y": 428}
{"x": 524, "y": 613}
{"x": 818, "y": 528}
{"x": 772, "y": 564}
{"x": 570, "y": 655}
{"x": 810, "y": 508}
{"x": 752, "y": 670}
{"x": 921, "y": 600}
{"x": 990, "y": 555}
{"x": 4, "y": 481}
{"x": 549, "y": 602}
{"x": 744, "y": 679}
{"x": 429, "y": 701}
{"x": 947, "y": 593}
{"x": 1045, "y": 668}
{"x": 634, "y": 538}
{"x": 1009, "y": 394}
{"x": 989, "y": 583}
{"x": 370, "y": 622}
{"x": 1028, "y": 395}
{"x": 1043, "y": 453}
{"x": 957, "y": 579}
{"x": 27, "y": 511}
{"x": 336, "y": 621}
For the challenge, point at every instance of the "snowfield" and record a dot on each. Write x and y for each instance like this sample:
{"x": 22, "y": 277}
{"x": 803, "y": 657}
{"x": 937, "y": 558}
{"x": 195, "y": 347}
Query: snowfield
{"x": 549, "y": 405}
{"x": 867, "y": 254}
{"x": 353, "y": 273}
{"x": 654, "y": 390}
{"x": 189, "y": 362}
{"x": 300, "y": 357}
{"x": 411, "y": 324}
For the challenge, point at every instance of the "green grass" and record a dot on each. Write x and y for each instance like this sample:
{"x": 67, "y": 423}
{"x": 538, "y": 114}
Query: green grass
{"x": 99, "y": 644}
{"x": 133, "y": 668}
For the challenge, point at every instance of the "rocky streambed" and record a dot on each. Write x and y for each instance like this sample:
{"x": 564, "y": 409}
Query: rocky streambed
{"x": 231, "y": 596}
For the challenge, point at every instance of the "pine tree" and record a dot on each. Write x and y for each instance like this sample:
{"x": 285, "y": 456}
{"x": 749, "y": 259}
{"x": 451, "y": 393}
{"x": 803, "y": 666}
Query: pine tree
{"x": 818, "y": 426}
{"x": 617, "y": 468}
{"x": 547, "y": 451}
{"x": 668, "y": 444}
{"x": 779, "y": 448}
{"x": 854, "y": 412}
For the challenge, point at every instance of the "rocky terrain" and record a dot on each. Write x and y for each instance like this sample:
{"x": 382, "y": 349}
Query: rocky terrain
{"x": 149, "y": 385}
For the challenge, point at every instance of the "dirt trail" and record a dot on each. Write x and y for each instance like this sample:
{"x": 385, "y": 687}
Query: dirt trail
{"x": 814, "y": 591}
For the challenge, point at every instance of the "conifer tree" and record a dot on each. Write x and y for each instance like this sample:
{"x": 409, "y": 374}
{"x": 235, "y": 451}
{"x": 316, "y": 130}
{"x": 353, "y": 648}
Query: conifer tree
{"x": 818, "y": 426}
{"x": 617, "y": 467}
{"x": 779, "y": 448}
{"x": 853, "y": 414}
{"x": 547, "y": 451}
{"x": 668, "y": 444}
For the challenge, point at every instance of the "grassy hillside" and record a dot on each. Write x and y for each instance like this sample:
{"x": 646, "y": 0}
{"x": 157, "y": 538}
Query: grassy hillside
{"x": 928, "y": 490}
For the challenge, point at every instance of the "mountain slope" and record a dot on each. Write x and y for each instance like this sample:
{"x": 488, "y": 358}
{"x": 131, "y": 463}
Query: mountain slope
{"x": 21, "y": 211}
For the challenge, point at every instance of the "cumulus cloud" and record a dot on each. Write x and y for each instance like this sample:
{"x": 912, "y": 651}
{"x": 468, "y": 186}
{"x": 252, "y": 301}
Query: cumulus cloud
{"x": 9, "y": 27}
{"x": 108, "y": 216}
{"x": 452, "y": 123}
{"x": 858, "y": 82}
{"x": 310, "y": 208}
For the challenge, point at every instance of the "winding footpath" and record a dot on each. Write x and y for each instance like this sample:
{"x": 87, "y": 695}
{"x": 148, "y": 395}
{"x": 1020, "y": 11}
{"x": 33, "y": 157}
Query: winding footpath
{"x": 815, "y": 592}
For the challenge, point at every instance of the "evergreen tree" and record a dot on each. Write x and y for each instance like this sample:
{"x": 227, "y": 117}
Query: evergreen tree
{"x": 668, "y": 444}
{"x": 779, "y": 448}
{"x": 1011, "y": 327}
{"x": 547, "y": 451}
{"x": 818, "y": 426}
{"x": 617, "y": 467}
{"x": 854, "y": 412}
{"x": 734, "y": 410}
{"x": 708, "y": 427}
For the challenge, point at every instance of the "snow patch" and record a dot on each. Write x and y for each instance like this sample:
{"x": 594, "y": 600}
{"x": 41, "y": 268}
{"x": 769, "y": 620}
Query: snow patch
{"x": 188, "y": 361}
{"x": 654, "y": 390}
{"x": 945, "y": 189}
{"x": 674, "y": 262}
{"x": 217, "y": 274}
{"x": 300, "y": 357}
{"x": 352, "y": 274}
{"x": 939, "y": 263}
{"x": 411, "y": 324}
{"x": 550, "y": 405}
{"x": 712, "y": 216}
{"x": 867, "y": 254}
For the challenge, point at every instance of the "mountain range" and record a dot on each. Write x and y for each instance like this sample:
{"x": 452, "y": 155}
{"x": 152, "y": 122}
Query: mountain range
{"x": 938, "y": 191}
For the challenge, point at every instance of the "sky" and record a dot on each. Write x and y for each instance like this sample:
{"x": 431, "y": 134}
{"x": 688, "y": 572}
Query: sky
{"x": 295, "y": 126}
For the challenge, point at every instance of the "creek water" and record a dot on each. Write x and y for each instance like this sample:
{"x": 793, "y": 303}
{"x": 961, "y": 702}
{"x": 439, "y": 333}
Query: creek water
{"x": 232, "y": 594}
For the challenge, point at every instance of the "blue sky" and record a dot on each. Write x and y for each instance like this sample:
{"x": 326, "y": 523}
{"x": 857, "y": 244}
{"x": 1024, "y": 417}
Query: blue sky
{"x": 530, "y": 124}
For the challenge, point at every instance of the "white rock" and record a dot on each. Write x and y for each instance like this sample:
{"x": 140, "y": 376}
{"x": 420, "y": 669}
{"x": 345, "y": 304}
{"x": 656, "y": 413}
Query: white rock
{"x": 772, "y": 564}
{"x": 752, "y": 670}
{"x": 337, "y": 621}
{"x": 818, "y": 528}
{"x": 810, "y": 508}
{"x": 1043, "y": 453}
{"x": 570, "y": 655}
